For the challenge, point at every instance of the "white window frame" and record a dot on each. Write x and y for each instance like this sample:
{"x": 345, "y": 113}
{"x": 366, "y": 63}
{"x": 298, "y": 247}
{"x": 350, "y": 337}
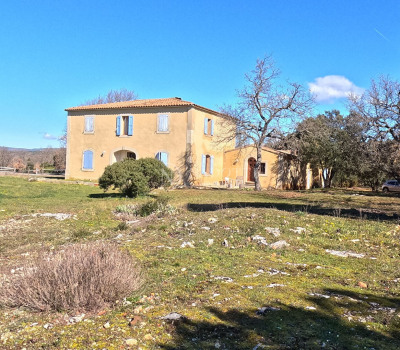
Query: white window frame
{"x": 84, "y": 125}
{"x": 158, "y": 123}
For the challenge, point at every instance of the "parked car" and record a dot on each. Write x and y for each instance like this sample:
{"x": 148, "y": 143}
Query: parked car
{"x": 391, "y": 186}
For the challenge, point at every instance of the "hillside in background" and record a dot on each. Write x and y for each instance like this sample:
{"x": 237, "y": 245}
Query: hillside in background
{"x": 22, "y": 158}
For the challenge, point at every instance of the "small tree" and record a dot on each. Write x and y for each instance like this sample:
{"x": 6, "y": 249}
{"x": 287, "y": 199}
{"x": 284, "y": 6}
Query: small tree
{"x": 265, "y": 110}
{"x": 113, "y": 96}
{"x": 136, "y": 177}
{"x": 18, "y": 164}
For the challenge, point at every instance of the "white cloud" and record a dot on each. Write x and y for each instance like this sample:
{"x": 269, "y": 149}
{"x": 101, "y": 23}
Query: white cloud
{"x": 332, "y": 87}
{"x": 48, "y": 136}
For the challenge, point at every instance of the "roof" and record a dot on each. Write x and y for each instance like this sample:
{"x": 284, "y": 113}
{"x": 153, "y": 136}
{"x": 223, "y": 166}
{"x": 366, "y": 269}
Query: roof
{"x": 264, "y": 148}
{"x": 149, "y": 103}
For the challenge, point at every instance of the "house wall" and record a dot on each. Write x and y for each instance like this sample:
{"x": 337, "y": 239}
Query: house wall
{"x": 236, "y": 166}
{"x": 205, "y": 144}
{"x": 145, "y": 141}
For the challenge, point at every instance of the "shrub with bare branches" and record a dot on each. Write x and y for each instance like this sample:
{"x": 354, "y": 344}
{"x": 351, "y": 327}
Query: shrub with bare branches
{"x": 82, "y": 277}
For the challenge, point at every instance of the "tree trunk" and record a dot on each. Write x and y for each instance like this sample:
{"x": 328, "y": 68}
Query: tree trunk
{"x": 257, "y": 184}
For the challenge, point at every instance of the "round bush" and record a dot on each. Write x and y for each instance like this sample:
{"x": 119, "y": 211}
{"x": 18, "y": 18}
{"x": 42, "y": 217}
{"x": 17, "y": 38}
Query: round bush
{"x": 136, "y": 177}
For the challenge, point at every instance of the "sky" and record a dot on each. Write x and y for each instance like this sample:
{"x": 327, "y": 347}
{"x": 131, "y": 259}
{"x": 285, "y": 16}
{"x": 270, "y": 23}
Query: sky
{"x": 57, "y": 54}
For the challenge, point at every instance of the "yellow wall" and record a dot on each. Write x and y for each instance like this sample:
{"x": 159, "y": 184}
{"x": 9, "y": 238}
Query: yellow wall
{"x": 236, "y": 166}
{"x": 145, "y": 141}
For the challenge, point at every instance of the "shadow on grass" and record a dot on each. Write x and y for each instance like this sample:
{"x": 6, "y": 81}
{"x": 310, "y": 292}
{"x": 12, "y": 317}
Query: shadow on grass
{"x": 290, "y": 327}
{"x": 106, "y": 195}
{"x": 352, "y": 213}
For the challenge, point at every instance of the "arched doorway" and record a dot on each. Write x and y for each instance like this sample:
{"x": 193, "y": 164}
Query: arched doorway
{"x": 120, "y": 155}
{"x": 251, "y": 163}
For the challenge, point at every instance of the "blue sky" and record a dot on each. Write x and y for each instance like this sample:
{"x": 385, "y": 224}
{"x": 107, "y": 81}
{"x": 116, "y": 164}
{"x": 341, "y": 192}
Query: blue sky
{"x": 57, "y": 54}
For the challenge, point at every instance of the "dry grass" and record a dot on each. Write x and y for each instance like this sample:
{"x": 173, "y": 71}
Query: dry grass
{"x": 84, "y": 277}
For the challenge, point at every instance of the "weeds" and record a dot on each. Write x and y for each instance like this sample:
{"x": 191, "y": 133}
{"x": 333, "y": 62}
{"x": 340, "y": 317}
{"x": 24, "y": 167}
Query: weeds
{"x": 84, "y": 277}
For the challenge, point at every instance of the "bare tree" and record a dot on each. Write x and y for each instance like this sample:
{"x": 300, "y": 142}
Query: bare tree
{"x": 113, "y": 96}
{"x": 5, "y": 156}
{"x": 379, "y": 106}
{"x": 18, "y": 164}
{"x": 265, "y": 110}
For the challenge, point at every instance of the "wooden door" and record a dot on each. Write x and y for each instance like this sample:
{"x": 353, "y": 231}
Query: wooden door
{"x": 250, "y": 169}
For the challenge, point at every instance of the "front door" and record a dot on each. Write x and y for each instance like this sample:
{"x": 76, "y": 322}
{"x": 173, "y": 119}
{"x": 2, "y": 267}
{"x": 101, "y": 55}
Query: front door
{"x": 250, "y": 169}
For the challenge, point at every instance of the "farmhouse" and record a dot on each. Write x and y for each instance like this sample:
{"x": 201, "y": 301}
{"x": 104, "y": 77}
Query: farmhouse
{"x": 183, "y": 135}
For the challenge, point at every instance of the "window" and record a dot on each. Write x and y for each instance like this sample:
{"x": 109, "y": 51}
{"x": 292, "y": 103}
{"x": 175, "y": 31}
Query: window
{"x": 207, "y": 164}
{"x": 87, "y": 163}
{"x": 208, "y": 127}
{"x": 263, "y": 169}
{"x": 131, "y": 155}
{"x": 124, "y": 125}
{"x": 89, "y": 124}
{"x": 163, "y": 156}
{"x": 162, "y": 123}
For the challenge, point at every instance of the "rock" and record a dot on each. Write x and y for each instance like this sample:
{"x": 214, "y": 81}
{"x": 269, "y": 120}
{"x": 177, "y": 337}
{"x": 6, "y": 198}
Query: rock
{"x": 106, "y": 325}
{"x": 298, "y": 230}
{"x": 148, "y": 337}
{"x": 131, "y": 342}
{"x": 48, "y": 326}
{"x": 225, "y": 243}
{"x": 273, "y": 285}
{"x": 187, "y": 244}
{"x": 217, "y": 345}
{"x": 279, "y": 245}
{"x": 311, "y": 308}
{"x": 274, "y": 230}
{"x": 265, "y": 309}
{"x": 225, "y": 279}
{"x": 76, "y": 319}
{"x": 260, "y": 240}
{"x": 212, "y": 220}
{"x": 173, "y": 316}
{"x": 345, "y": 254}
{"x": 362, "y": 285}
{"x": 210, "y": 241}
{"x": 183, "y": 269}
{"x": 206, "y": 228}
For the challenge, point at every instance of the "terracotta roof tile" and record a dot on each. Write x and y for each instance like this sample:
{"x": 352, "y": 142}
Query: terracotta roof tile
{"x": 155, "y": 102}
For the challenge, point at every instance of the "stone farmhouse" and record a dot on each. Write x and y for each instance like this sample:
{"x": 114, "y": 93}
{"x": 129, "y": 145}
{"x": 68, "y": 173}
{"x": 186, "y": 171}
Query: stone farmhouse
{"x": 183, "y": 135}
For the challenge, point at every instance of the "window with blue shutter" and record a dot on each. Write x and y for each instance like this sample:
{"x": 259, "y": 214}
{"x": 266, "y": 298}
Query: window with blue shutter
{"x": 162, "y": 156}
{"x": 130, "y": 125}
{"x": 89, "y": 124}
{"x": 208, "y": 126}
{"x": 211, "y": 165}
{"x": 87, "y": 160}
{"x": 162, "y": 123}
{"x": 203, "y": 164}
{"x": 205, "y": 126}
{"x": 212, "y": 128}
{"x": 118, "y": 131}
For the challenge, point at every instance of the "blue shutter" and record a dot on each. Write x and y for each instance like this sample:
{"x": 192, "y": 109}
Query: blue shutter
{"x": 164, "y": 158}
{"x": 162, "y": 122}
{"x": 89, "y": 124}
{"x": 203, "y": 164}
{"x": 205, "y": 126}
{"x": 212, "y": 127}
{"x": 88, "y": 160}
{"x": 130, "y": 126}
{"x": 158, "y": 156}
{"x": 211, "y": 164}
{"x": 119, "y": 125}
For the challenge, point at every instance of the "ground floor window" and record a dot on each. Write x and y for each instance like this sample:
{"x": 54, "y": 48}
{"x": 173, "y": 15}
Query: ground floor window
{"x": 207, "y": 164}
{"x": 162, "y": 156}
{"x": 87, "y": 163}
{"x": 263, "y": 169}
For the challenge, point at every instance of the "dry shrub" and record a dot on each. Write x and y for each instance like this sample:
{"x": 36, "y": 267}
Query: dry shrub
{"x": 84, "y": 277}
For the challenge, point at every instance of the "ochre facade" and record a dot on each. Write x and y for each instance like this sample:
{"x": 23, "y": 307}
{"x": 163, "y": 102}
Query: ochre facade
{"x": 183, "y": 135}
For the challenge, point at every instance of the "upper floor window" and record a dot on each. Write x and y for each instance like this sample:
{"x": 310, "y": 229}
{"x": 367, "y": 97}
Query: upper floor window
{"x": 87, "y": 162}
{"x": 124, "y": 125}
{"x": 89, "y": 124}
{"x": 163, "y": 123}
{"x": 208, "y": 126}
{"x": 263, "y": 168}
{"x": 207, "y": 164}
{"x": 162, "y": 156}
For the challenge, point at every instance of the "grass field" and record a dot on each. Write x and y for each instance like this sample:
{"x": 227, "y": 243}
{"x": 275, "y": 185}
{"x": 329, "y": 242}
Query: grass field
{"x": 241, "y": 295}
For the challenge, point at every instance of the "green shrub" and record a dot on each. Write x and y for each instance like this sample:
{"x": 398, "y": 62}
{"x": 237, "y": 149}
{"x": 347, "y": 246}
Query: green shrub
{"x": 136, "y": 177}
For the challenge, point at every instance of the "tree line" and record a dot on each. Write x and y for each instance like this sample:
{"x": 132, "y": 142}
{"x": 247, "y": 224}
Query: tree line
{"x": 359, "y": 148}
